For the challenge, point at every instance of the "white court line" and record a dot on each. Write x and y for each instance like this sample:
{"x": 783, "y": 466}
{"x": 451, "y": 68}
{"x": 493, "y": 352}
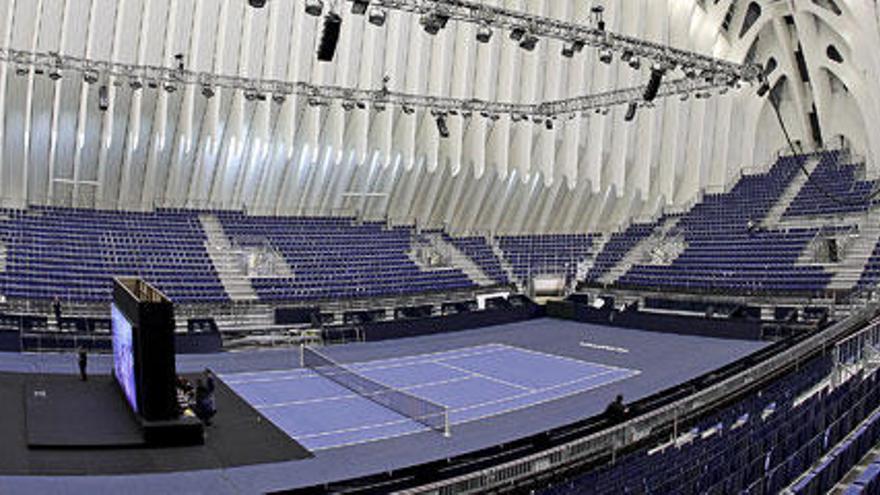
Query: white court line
{"x": 562, "y": 358}
{"x": 301, "y": 373}
{"x": 439, "y": 357}
{"x": 479, "y": 418}
{"x": 352, "y": 395}
{"x": 486, "y": 377}
{"x": 602, "y": 347}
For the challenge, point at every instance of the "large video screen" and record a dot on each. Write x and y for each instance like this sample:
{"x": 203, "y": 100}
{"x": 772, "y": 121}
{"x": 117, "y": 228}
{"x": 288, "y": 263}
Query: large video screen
{"x": 123, "y": 355}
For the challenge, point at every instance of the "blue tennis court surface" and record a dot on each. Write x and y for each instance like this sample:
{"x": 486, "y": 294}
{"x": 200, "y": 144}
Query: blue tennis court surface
{"x": 474, "y": 383}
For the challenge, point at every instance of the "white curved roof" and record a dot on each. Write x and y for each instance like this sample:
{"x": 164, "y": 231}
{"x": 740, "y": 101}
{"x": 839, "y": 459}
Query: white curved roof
{"x": 155, "y": 148}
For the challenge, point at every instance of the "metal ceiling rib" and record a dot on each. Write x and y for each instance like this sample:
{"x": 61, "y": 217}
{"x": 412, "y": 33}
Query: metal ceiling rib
{"x": 591, "y": 172}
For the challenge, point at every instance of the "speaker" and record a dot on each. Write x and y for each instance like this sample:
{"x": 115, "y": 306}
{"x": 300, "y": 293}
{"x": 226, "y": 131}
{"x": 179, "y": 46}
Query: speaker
{"x": 833, "y": 255}
{"x": 103, "y": 98}
{"x": 329, "y": 37}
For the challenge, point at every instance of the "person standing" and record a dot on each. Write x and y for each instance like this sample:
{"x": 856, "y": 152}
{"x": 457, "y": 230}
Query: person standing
{"x": 83, "y": 363}
{"x": 56, "y": 308}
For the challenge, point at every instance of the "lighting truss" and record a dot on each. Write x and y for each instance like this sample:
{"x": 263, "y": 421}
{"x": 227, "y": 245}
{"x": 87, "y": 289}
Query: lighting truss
{"x": 497, "y": 17}
{"x": 141, "y": 76}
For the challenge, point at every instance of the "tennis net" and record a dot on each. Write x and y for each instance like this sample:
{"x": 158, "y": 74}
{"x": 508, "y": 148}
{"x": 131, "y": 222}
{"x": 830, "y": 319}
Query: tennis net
{"x": 430, "y": 414}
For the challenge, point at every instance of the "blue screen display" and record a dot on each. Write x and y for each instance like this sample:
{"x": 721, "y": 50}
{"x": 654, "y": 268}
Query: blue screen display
{"x": 123, "y": 355}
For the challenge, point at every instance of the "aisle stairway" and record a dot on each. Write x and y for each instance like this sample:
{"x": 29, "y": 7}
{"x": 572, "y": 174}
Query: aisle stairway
{"x": 505, "y": 265}
{"x": 460, "y": 261}
{"x": 774, "y": 216}
{"x": 640, "y": 251}
{"x": 227, "y": 262}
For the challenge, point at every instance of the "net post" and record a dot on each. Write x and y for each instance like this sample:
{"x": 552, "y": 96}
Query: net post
{"x": 446, "y": 429}
{"x": 302, "y": 355}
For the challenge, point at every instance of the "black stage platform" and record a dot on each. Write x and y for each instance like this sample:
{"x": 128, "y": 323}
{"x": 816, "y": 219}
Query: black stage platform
{"x": 239, "y": 434}
{"x": 68, "y": 412}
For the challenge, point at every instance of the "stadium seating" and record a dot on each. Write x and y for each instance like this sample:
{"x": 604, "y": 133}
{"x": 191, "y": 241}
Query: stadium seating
{"x": 477, "y": 249}
{"x": 74, "y": 253}
{"x": 832, "y": 189}
{"x": 335, "y": 258}
{"x": 760, "y": 445}
{"x": 531, "y": 255}
{"x": 725, "y": 253}
{"x": 617, "y": 247}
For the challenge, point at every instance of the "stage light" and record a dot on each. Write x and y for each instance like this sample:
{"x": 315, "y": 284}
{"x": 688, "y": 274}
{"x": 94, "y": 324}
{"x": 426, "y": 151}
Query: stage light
{"x": 377, "y": 16}
{"x": 626, "y": 56}
{"x": 170, "y": 87}
{"x": 314, "y": 7}
{"x": 179, "y": 58}
{"x": 135, "y": 83}
{"x": 54, "y": 74}
{"x": 90, "y": 77}
{"x": 359, "y": 7}
{"x": 517, "y": 33}
{"x": 434, "y": 22}
{"x": 635, "y": 63}
{"x": 690, "y": 72}
{"x": 606, "y": 56}
{"x": 484, "y": 34}
{"x": 329, "y": 37}
{"x": 257, "y": 4}
{"x": 279, "y": 98}
{"x": 657, "y": 73}
{"x": 348, "y": 105}
{"x": 103, "y": 98}
{"x": 360, "y": 105}
{"x": 549, "y": 124}
{"x": 571, "y": 48}
{"x": 250, "y": 95}
{"x": 408, "y": 110}
{"x": 631, "y": 112}
{"x": 529, "y": 42}
{"x": 207, "y": 91}
{"x": 441, "y": 126}
{"x": 21, "y": 70}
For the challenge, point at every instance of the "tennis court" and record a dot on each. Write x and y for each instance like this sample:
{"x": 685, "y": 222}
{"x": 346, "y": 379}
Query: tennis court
{"x": 470, "y": 384}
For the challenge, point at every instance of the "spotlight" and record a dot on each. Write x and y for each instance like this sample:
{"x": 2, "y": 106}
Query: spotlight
{"x": 657, "y": 73}
{"x": 170, "y": 87}
{"x": 250, "y": 95}
{"x": 279, "y": 98}
{"x": 635, "y": 63}
{"x": 484, "y": 34}
{"x": 549, "y": 124}
{"x": 606, "y": 56}
{"x": 631, "y": 112}
{"x": 570, "y": 49}
{"x": 329, "y": 37}
{"x": 690, "y": 72}
{"x": 257, "y": 4}
{"x": 685, "y": 97}
{"x": 377, "y": 16}
{"x": 103, "y": 98}
{"x": 348, "y": 105}
{"x": 261, "y": 96}
{"x": 626, "y": 56}
{"x": 434, "y": 22}
{"x": 135, "y": 83}
{"x": 152, "y": 84}
{"x": 517, "y": 33}
{"x": 90, "y": 77}
{"x": 360, "y": 105}
{"x": 207, "y": 91}
{"x": 441, "y": 126}
{"x": 529, "y": 42}
{"x": 408, "y": 110}
{"x": 54, "y": 74}
{"x": 179, "y": 58}
{"x": 359, "y": 7}
{"x": 314, "y": 7}
{"x": 21, "y": 70}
